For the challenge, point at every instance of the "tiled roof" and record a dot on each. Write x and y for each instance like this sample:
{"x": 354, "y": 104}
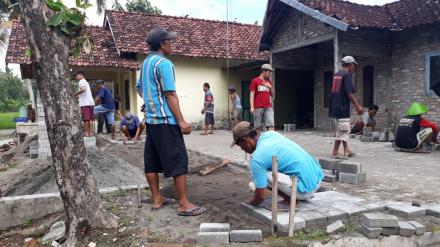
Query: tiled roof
{"x": 195, "y": 37}
{"x": 396, "y": 15}
{"x": 104, "y": 53}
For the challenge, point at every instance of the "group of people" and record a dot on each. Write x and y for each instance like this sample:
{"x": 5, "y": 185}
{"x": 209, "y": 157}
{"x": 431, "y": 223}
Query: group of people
{"x": 165, "y": 151}
{"x": 105, "y": 106}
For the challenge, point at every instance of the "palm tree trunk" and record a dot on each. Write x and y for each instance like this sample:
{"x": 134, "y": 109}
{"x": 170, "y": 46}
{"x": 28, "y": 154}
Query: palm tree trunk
{"x": 50, "y": 58}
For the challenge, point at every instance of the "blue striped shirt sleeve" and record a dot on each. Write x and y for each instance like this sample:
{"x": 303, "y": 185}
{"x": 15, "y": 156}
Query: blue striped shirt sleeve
{"x": 167, "y": 76}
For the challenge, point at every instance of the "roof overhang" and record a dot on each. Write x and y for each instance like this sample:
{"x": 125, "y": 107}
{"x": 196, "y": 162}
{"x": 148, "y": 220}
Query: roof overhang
{"x": 271, "y": 13}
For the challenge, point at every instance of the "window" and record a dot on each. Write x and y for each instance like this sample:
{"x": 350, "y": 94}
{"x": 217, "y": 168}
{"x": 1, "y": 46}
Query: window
{"x": 127, "y": 94}
{"x": 368, "y": 85}
{"x": 432, "y": 70}
{"x": 327, "y": 80}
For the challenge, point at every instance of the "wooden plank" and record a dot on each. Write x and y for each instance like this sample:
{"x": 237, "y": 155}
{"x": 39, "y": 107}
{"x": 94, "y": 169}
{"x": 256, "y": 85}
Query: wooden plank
{"x": 207, "y": 170}
{"x": 274, "y": 194}
{"x": 292, "y": 207}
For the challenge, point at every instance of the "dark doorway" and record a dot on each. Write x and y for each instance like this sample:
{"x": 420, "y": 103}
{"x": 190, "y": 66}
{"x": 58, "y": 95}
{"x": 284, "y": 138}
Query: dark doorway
{"x": 294, "y": 101}
{"x": 247, "y": 116}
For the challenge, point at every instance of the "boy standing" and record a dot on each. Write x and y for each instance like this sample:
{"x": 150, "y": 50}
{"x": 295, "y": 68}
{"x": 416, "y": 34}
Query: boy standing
{"x": 208, "y": 109}
{"x": 236, "y": 107}
{"x": 342, "y": 94}
{"x": 86, "y": 103}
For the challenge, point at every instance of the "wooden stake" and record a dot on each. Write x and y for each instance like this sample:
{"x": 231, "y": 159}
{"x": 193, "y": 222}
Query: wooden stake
{"x": 139, "y": 196}
{"x": 292, "y": 207}
{"x": 274, "y": 194}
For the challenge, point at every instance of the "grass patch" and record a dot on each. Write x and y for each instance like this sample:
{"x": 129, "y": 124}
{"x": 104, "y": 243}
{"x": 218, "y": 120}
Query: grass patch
{"x": 436, "y": 229}
{"x": 316, "y": 235}
{"x": 7, "y": 120}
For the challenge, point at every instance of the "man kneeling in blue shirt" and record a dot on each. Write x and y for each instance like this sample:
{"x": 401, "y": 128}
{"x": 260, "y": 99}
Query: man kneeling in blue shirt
{"x": 292, "y": 161}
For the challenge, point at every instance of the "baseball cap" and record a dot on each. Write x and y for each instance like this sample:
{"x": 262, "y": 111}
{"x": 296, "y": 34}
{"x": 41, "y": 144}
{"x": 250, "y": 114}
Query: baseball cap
{"x": 232, "y": 88}
{"x": 242, "y": 129}
{"x": 266, "y": 67}
{"x": 348, "y": 59}
{"x": 158, "y": 35}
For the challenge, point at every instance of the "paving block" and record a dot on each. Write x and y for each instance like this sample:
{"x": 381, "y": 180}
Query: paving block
{"x": 406, "y": 229}
{"x": 374, "y": 207}
{"x": 434, "y": 211}
{"x": 371, "y": 232}
{"x": 246, "y": 236}
{"x": 350, "y": 167}
{"x": 329, "y": 178}
{"x": 375, "y": 220}
{"x": 213, "y": 237}
{"x": 312, "y": 217}
{"x": 329, "y": 164}
{"x": 367, "y": 139}
{"x": 420, "y": 229}
{"x": 335, "y": 227}
{"x": 350, "y": 178}
{"x": 215, "y": 227}
{"x": 383, "y": 137}
{"x": 336, "y": 214}
{"x": 388, "y": 231}
{"x": 406, "y": 210}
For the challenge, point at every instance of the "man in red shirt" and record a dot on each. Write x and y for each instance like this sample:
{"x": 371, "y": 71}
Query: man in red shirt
{"x": 261, "y": 91}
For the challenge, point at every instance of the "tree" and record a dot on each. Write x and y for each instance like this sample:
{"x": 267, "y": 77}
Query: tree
{"x": 143, "y": 6}
{"x": 49, "y": 27}
{"x": 12, "y": 92}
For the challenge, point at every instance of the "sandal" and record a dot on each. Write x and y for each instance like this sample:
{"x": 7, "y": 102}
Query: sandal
{"x": 204, "y": 134}
{"x": 166, "y": 202}
{"x": 351, "y": 154}
{"x": 193, "y": 212}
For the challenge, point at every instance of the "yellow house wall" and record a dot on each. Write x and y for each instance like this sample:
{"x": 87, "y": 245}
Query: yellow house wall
{"x": 191, "y": 73}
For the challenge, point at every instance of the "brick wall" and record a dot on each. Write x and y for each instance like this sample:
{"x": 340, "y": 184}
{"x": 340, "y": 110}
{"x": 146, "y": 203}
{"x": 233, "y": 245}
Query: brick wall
{"x": 408, "y": 70}
{"x": 299, "y": 27}
{"x": 43, "y": 139}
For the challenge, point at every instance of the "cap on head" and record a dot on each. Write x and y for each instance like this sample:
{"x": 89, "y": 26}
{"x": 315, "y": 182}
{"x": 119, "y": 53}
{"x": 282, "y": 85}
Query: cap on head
{"x": 99, "y": 82}
{"x": 159, "y": 35}
{"x": 266, "y": 67}
{"x": 348, "y": 60}
{"x": 416, "y": 109}
{"x": 128, "y": 114}
{"x": 232, "y": 88}
{"x": 241, "y": 130}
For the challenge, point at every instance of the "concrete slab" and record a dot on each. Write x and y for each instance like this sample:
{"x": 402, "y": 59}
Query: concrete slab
{"x": 406, "y": 210}
{"x": 335, "y": 227}
{"x": 312, "y": 218}
{"x": 350, "y": 167}
{"x": 388, "y": 231}
{"x": 406, "y": 229}
{"x": 350, "y": 178}
{"x": 420, "y": 229}
{"x": 215, "y": 227}
{"x": 379, "y": 220}
{"x": 371, "y": 232}
{"x": 433, "y": 210}
{"x": 213, "y": 237}
{"x": 246, "y": 236}
{"x": 329, "y": 164}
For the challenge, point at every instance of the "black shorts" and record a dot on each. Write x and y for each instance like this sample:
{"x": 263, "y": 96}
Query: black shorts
{"x": 132, "y": 132}
{"x": 165, "y": 150}
{"x": 209, "y": 118}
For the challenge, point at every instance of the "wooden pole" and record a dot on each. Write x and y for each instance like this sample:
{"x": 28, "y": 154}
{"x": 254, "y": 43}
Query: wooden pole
{"x": 274, "y": 194}
{"x": 292, "y": 207}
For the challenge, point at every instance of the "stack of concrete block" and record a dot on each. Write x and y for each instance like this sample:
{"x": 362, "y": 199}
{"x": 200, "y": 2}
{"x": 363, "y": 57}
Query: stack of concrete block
{"x": 344, "y": 172}
{"x": 406, "y": 211}
{"x": 289, "y": 127}
{"x": 378, "y": 134}
{"x": 43, "y": 139}
{"x": 375, "y": 224}
{"x": 330, "y": 168}
{"x": 351, "y": 173}
{"x": 220, "y": 233}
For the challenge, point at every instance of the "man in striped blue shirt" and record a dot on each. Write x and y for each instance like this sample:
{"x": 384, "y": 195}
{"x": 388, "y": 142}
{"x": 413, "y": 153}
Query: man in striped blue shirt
{"x": 165, "y": 150}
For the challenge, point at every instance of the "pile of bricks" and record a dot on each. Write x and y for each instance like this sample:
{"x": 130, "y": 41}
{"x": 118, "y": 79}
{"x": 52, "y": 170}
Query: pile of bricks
{"x": 378, "y": 134}
{"x": 220, "y": 233}
{"x": 342, "y": 171}
{"x": 375, "y": 224}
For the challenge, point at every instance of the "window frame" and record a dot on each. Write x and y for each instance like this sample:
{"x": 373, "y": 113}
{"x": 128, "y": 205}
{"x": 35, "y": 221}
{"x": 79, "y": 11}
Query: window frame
{"x": 428, "y": 91}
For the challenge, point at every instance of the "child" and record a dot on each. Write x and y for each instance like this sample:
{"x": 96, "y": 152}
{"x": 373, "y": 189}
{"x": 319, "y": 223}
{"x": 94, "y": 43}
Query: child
{"x": 414, "y": 130}
{"x": 236, "y": 107}
{"x": 208, "y": 109}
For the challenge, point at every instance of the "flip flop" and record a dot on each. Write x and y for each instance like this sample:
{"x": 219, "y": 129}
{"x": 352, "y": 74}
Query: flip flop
{"x": 337, "y": 157}
{"x": 167, "y": 202}
{"x": 193, "y": 212}
{"x": 204, "y": 134}
{"x": 351, "y": 154}
{"x": 211, "y": 133}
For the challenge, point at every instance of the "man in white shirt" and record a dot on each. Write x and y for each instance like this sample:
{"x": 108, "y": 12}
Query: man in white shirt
{"x": 86, "y": 102}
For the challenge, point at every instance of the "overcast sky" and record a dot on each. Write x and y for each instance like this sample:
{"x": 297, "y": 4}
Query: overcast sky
{"x": 245, "y": 11}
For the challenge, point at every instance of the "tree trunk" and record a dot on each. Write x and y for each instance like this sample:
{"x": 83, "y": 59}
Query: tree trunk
{"x": 50, "y": 58}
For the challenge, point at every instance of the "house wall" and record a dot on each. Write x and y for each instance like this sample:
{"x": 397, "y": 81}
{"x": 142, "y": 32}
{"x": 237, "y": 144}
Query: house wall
{"x": 191, "y": 73}
{"x": 408, "y": 69}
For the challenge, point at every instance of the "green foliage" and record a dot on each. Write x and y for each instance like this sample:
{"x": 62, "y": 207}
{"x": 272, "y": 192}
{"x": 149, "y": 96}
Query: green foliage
{"x": 7, "y": 120}
{"x": 143, "y": 6}
{"x": 12, "y": 93}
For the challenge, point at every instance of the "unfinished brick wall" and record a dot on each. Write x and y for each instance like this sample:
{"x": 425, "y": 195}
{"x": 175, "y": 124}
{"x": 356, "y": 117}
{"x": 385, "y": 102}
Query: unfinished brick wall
{"x": 299, "y": 27}
{"x": 408, "y": 70}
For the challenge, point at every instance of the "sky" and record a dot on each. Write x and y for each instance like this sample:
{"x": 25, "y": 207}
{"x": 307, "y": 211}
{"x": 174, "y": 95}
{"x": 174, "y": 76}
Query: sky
{"x": 244, "y": 11}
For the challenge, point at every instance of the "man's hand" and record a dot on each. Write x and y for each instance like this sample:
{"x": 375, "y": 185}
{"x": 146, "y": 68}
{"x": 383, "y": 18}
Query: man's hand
{"x": 252, "y": 111}
{"x": 360, "y": 109}
{"x": 203, "y": 110}
{"x": 186, "y": 128}
{"x": 267, "y": 84}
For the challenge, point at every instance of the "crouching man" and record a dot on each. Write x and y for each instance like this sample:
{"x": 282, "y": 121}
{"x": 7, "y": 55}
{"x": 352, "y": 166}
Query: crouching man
{"x": 292, "y": 161}
{"x": 414, "y": 130}
{"x": 131, "y": 127}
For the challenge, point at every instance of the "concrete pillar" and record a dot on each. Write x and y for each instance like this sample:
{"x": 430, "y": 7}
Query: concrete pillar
{"x": 43, "y": 139}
